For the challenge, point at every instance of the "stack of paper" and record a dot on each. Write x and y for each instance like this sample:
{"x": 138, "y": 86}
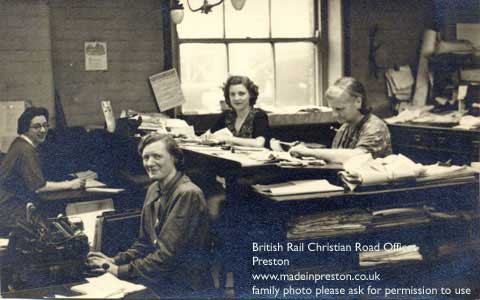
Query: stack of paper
{"x": 3, "y": 244}
{"x": 298, "y": 187}
{"x": 409, "y": 114}
{"x": 105, "y": 286}
{"x": 328, "y": 224}
{"x": 469, "y": 122}
{"x": 366, "y": 171}
{"x": 437, "y": 172}
{"x": 399, "y": 216}
{"x": 400, "y": 83}
{"x": 403, "y": 254}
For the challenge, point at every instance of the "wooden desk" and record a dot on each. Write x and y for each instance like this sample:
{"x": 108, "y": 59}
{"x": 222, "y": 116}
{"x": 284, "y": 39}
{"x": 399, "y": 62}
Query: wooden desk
{"x": 429, "y": 144}
{"x": 273, "y": 215}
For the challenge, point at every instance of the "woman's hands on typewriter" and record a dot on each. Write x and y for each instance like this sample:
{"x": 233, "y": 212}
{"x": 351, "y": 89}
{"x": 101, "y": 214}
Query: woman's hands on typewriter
{"x": 100, "y": 263}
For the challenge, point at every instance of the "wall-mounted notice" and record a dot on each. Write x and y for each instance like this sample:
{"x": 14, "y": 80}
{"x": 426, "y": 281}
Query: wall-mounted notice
{"x": 167, "y": 90}
{"x": 96, "y": 56}
{"x": 10, "y": 111}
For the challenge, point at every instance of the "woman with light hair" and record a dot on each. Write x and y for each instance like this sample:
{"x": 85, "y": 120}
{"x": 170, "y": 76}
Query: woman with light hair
{"x": 361, "y": 131}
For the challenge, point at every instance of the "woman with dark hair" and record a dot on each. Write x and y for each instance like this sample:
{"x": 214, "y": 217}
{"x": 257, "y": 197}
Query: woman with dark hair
{"x": 361, "y": 132}
{"x": 249, "y": 125}
{"x": 21, "y": 176}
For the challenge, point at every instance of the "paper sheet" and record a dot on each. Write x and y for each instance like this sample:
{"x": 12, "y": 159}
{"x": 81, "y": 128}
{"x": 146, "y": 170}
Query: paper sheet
{"x": 303, "y": 187}
{"x": 167, "y": 89}
{"x": 106, "y": 286}
{"x": 88, "y": 213}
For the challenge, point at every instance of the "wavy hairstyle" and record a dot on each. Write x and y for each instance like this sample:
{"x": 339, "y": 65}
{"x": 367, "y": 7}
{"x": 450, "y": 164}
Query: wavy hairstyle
{"x": 251, "y": 87}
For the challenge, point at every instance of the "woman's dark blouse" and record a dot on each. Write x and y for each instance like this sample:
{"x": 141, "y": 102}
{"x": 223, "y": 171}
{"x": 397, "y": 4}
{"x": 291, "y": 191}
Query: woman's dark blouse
{"x": 255, "y": 125}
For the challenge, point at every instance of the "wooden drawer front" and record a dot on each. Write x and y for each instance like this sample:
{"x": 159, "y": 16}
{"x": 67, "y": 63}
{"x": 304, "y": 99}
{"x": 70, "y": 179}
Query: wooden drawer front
{"x": 435, "y": 139}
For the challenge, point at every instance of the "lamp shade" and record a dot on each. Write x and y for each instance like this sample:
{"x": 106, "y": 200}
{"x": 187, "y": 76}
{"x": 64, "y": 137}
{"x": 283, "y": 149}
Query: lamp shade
{"x": 177, "y": 15}
{"x": 238, "y": 4}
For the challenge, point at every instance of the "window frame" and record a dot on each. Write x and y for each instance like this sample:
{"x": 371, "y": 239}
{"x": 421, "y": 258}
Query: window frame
{"x": 319, "y": 40}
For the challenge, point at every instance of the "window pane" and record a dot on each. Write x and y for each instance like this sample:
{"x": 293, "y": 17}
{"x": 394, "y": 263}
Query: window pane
{"x": 292, "y": 18}
{"x": 295, "y": 65}
{"x": 251, "y": 21}
{"x": 199, "y": 25}
{"x": 256, "y": 62}
{"x": 203, "y": 70}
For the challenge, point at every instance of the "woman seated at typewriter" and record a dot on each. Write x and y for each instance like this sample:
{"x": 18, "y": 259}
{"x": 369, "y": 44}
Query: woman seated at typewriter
{"x": 249, "y": 125}
{"x": 21, "y": 176}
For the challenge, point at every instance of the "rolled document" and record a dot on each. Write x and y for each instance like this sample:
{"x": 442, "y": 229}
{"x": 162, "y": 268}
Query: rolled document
{"x": 421, "y": 87}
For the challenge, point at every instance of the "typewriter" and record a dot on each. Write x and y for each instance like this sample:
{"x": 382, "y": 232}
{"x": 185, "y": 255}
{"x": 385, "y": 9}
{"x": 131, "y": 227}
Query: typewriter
{"x": 43, "y": 252}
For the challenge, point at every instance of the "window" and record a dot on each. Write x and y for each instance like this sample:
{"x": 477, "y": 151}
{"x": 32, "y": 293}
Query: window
{"x": 271, "y": 41}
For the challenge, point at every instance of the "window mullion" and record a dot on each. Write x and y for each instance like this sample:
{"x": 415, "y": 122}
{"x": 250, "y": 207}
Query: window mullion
{"x": 273, "y": 53}
{"x": 225, "y": 42}
{"x": 274, "y": 75}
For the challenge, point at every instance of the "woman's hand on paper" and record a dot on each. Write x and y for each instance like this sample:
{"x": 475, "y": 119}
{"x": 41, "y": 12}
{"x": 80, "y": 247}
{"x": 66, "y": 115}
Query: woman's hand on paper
{"x": 275, "y": 145}
{"x": 299, "y": 151}
{"x": 223, "y": 138}
{"x": 207, "y": 136}
{"x": 78, "y": 183}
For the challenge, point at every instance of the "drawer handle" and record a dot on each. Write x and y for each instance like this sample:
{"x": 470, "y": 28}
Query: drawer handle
{"x": 417, "y": 138}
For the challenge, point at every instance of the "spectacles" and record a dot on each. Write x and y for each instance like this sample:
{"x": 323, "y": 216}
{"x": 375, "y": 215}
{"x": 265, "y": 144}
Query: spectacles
{"x": 39, "y": 126}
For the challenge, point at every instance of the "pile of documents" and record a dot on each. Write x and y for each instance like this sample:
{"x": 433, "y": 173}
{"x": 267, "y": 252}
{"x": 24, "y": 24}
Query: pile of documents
{"x": 437, "y": 172}
{"x": 422, "y": 115}
{"x": 366, "y": 171}
{"x": 106, "y": 286}
{"x": 409, "y": 114}
{"x": 298, "y": 187}
{"x": 468, "y": 123}
{"x": 328, "y": 224}
{"x": 431, "y": 118}
{"x": 150, "y": 121}
{"x": 93, "y": 185}
{"x": 400, "y": 216}
{"x": 402, "y": 254}
{"x": 400, "y": 83}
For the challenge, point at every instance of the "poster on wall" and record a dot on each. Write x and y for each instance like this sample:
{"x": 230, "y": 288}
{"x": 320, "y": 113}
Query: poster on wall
{"x": 167, "y": 89}
{"x": 96, "y": 56}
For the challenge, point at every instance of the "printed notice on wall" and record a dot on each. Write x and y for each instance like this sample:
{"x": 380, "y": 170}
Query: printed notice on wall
{"x": 96, "y": 56}
{"x": 167, "y": 89}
